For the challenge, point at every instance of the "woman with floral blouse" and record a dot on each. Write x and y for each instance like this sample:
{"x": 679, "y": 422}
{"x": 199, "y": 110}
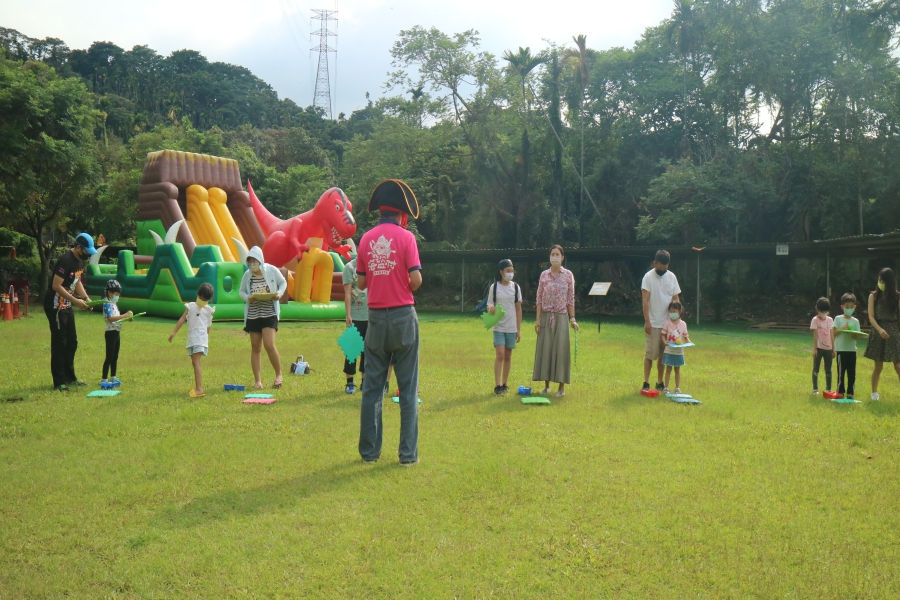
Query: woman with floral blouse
{"x": 555, "y": 303}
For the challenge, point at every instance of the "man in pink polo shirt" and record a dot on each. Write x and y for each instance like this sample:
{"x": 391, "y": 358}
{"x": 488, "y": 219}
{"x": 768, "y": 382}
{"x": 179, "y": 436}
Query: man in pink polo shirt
{"x": 388, "y": 267}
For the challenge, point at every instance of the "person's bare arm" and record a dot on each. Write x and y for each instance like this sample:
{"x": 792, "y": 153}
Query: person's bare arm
{"x": 361, "y": 282}
{"x": 179, "y": 324}
{"x": 884, "y": 334}
{"x": 348, "y": 289}
{"x": 519, "y": 321}
{"x": 79, "y": 289}
{"x": 645, "y": 306}
{"x": 63, "y": 292}
{"x": 415, "y": 279}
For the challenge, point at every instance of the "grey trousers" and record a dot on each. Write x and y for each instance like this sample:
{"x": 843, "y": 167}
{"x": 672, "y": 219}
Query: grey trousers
{"x": 392, "y": 336}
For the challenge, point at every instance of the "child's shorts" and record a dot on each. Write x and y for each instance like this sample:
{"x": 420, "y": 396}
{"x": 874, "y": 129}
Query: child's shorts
{"x": 192, "y": 350}
{"x": 505, "y": 339}
{"x": 673, "y": 360}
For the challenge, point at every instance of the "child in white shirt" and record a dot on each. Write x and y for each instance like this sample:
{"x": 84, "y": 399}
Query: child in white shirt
{"x": 508, "y": 331}
{"x": 199, "y": 316}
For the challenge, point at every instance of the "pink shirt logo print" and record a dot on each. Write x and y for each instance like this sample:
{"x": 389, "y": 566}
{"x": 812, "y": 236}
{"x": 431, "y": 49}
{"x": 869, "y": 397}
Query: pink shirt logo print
{"x": 380, "y": 262}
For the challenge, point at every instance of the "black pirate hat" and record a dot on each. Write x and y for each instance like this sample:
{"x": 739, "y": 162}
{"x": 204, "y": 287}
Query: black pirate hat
{"x": 393, "y": 194}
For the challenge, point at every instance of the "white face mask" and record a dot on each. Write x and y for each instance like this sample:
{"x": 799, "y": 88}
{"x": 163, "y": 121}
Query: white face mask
{"x": 674, "y": 316}
{"x": 508, "y": 276}
{"x": 114, "y": 299}
{"x": 555, "y": 261}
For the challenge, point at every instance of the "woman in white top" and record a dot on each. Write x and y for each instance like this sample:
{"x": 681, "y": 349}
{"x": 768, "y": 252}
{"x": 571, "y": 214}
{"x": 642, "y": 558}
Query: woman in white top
{"x": 261, "y": 314}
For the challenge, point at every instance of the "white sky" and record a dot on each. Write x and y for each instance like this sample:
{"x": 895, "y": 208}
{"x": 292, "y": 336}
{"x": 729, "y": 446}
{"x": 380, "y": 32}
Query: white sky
{"x": 272, "y": 37}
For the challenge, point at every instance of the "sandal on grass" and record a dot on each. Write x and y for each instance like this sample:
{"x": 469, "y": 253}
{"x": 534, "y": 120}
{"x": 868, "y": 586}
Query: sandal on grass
{"x": 278, "y": 382}
{"x": 258, "y": 385}
{"x": 194, "y": 394}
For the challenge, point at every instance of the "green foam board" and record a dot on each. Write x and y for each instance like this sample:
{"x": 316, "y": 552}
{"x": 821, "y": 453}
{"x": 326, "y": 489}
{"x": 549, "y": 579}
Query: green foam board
{"x": 352, "y": 343}
{"x": 535, "y": 400}
{"x": 490, "y": 320}
{"x": 103, "y": 393}
{"x": 259, "y": 396}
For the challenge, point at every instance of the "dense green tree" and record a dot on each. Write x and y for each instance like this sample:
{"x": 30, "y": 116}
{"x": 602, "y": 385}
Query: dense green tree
{"x": 47, "y": 165}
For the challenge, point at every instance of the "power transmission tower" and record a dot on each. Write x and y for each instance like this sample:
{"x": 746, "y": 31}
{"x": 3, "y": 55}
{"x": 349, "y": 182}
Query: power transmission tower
{"x": 322, "y": 96}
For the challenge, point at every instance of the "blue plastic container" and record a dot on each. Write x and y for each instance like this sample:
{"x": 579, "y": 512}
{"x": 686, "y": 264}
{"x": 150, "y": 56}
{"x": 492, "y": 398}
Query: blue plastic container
{"x": 233, "y": 387}
{"x": 524, "y": 391}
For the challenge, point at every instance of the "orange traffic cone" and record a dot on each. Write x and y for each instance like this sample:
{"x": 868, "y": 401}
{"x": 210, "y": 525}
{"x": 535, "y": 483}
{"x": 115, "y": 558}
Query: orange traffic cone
{"x": 7, "y": 309}
{"x": 15, "y": 306}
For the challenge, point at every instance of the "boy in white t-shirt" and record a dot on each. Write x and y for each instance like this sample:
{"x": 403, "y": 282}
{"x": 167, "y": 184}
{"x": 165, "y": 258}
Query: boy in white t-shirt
{"x": 199, "y": 316}
{"x": 659, "y": 288}
{"x": 508, "y": 330}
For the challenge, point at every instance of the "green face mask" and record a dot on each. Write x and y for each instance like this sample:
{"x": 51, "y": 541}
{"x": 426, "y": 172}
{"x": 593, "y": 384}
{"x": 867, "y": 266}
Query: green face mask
{"x": 849, "y": 311}
{"x": 881, "y": 285}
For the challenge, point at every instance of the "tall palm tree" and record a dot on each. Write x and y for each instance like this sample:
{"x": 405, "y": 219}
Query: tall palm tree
{"x": 522, "y": 63}
{"x": 580, "y": 59}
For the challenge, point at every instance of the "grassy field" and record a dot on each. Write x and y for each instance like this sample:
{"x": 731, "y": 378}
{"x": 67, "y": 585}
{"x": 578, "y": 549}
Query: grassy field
{"x": 761, "y": 492}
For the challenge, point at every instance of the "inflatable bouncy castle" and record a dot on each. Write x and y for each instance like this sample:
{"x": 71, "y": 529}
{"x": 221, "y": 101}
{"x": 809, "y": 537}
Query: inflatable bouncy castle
{"x": 195, "y": 225}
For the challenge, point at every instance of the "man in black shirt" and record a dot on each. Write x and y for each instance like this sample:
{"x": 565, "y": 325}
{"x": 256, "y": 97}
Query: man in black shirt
{"x": 65, "y": 290}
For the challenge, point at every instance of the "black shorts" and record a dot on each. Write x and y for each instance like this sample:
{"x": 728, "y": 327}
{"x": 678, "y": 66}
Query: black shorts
{"x": 257, "y": 325}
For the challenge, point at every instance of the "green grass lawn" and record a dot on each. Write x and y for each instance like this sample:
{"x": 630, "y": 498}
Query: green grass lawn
{"x": 761, "y": 492}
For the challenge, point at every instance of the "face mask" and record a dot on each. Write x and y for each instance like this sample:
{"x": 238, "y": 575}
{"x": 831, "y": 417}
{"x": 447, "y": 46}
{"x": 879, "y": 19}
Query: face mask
{"x": 674, "y": 316}
{"x": 555, "y": 261}
{"x": 114, "y": 299}
{"x": 508, "y": 276}
{"x": 881, "y": 285}
{"x": 202, "y": 303}
{"x": 849, "y": 311}
{"x": 660, "y": 272}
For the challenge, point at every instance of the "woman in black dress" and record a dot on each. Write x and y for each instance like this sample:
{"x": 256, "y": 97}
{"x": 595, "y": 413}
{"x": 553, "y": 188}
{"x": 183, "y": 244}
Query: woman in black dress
{"x": 884, "y": 315}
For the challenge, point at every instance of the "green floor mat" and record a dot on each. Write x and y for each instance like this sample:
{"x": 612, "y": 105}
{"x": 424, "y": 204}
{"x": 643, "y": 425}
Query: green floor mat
{"x": 103, "y": 393}
{"x": 535, "y": 400}
{"x": 259, "y": 396}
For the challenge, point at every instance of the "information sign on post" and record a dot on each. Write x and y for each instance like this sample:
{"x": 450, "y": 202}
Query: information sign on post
{"x": 781, "y": 250}
{"x": 600, "y": 288}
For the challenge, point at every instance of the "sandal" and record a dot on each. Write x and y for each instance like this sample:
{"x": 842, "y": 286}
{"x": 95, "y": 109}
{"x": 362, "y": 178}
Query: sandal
{"x": 258, "y": 385}
{"x": 278, "y": 382}
{"x": 194, "y": 394}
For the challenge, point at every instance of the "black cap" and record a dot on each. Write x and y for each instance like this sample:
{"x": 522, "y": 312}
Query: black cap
{"x": 393, "y": 194}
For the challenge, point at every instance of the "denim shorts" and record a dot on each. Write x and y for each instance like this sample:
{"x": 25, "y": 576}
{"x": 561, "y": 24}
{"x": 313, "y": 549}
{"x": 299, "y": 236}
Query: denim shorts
{"x": 192, "y": 350}
{"x": 673, "y": 360}
{"x": 505, "y": 339}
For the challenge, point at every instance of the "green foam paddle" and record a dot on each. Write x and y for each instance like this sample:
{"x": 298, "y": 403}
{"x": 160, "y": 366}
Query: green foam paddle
{"x": 94, "y": 303}
{"x": 535, "y": 400}
{"x": 687, "y": 345}
{"x": 259, "y": 396}
{"x": 490, "y": 320}
{"x": 135, "y": 316}
{"x": 352, "y": 343}
{"x": 846, "y": 401}
{"x": 103, "y": 393}
{"x": 396, "y": 399}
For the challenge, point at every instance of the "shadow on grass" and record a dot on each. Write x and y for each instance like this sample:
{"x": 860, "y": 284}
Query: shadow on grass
{"x": 882, "y": 409}
{"x": 267, "y": 498}
{"x": 633, "y": 400}
{"x": 461, "y": 402}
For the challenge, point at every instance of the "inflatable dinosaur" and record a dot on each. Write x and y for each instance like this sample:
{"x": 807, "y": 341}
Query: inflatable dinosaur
{"x": 331, "y": 219}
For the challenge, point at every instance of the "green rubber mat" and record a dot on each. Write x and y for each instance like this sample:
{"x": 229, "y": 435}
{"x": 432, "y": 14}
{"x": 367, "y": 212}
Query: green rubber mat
{"x": 259, "y": 396}
{"x": 103, "y": 393}
{"x": 535, "y": 400}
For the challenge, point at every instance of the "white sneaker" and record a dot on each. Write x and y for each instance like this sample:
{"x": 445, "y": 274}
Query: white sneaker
{"x": 665, "y": 390}
{"x": 559, "y": 394}
{"x": 874, "y": 397}
{"x": 677, "y": 390}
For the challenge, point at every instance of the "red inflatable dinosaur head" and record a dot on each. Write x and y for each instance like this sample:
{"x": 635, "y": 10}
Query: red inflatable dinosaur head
{"x": 335, "y": 212}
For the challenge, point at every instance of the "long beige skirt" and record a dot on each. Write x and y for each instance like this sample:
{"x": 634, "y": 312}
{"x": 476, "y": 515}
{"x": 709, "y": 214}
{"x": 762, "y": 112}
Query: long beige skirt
{"x": 551, "y": 355}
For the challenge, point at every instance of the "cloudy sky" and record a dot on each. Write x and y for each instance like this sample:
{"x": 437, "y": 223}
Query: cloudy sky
{"x": 272, "y": 37}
